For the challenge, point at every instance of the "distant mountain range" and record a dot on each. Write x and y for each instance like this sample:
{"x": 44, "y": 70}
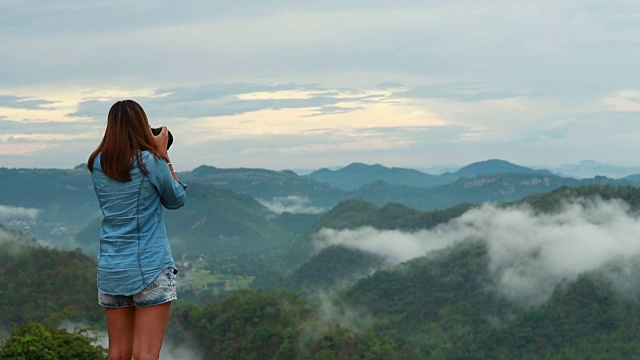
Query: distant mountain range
{"x": 580, "y": 170}
{"x": 311, "y": 270}
{"x": 356, "y": 175}
{"x": 491, "y": 180}
{"x": 590, "y": 168}
{"x": 234, "y": 212}
{"x": 492, "y": 167}
{"x": 441, "y": 302}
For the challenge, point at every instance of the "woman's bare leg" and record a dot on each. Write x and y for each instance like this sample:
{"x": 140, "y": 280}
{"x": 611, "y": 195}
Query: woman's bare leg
{"x": 150, "y": 326}
{"x": 120, "y": 327}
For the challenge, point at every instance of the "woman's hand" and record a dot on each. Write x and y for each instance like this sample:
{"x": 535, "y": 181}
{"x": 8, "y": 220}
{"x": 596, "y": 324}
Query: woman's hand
{"x": 161, "y": 140}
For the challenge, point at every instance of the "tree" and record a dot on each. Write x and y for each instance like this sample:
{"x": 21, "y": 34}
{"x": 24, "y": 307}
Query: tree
{"x": 35, "y": 341}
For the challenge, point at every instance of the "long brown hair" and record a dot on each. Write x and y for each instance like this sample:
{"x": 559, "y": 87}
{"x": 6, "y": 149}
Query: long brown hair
{"x": 126, "y": 136}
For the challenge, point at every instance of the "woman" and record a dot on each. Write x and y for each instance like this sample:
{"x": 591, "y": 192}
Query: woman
{"x": 133, "y": 179}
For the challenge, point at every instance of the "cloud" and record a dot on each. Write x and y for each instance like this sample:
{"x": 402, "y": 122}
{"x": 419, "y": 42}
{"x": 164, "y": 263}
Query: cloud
{"x": 333, "y": 109}
{"x": 499, "y": 72}
{"x": 330, "y": 314}
{"x": 393, "y": 245}
{"x": 458, "y": 91}
{"x": 385, "y": 85}
{"x": 170, "y": 350}
{"x": 624, "y": 101}
{"x": 22, "y": 102}
{"x": 222, "y": 99}
{"x": 530, "y": 254}
{"x": 19, "y": 213}
{"x": 291, "y": 204}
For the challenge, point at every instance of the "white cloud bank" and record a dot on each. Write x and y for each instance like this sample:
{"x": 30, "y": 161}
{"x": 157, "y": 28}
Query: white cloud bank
{"x": 292, "y": 204}
{"x": 12, "y": 212}
{"x": 530, "y": 254}
{"x": 287, "y": 84}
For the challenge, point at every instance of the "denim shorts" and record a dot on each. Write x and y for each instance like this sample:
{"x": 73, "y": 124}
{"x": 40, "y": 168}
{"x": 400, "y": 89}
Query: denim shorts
{"x": 160, "y": 291}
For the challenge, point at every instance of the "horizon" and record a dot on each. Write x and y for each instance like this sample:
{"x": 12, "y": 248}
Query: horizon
{"x": 583, "y": 169}
{"x": 291, "y": 85}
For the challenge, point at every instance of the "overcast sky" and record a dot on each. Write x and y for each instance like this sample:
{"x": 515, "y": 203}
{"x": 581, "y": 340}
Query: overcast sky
{"x": 289, "y": 84}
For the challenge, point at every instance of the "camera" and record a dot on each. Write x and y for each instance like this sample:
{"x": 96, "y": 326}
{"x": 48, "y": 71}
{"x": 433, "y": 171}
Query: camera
{"x": 156, "y": 131}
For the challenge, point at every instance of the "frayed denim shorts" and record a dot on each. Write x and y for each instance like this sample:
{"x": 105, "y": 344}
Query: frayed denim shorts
{"x": 161, "y": 290}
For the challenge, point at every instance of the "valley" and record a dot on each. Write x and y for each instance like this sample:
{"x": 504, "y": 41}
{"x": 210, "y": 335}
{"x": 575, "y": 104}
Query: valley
{"x": 517, "y": 265}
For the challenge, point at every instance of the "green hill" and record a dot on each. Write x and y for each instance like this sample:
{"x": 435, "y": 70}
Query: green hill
{"x": 551, "y": 201}
{"x": 583, "y": 320}
{"x": 216, "y": 224}
{"x": 356, "y": 175}
{"x": 253, "y": 324}
{"x": 477, "y": 190}
{"x": 40, "y": 282}
{"x": 64, "y": 199}
{"x": 303, "y": 258}
{"x": 303, "y": 267}
{"x": 443, "y": 303}
{"x": 229, "y": 216}
{"x": 332, "y": 268}
{"x": 438, "y": 303}
{"x": 493, "y": 167}
{"x": 440, "y": 306}
{"x": 267, "y": 185}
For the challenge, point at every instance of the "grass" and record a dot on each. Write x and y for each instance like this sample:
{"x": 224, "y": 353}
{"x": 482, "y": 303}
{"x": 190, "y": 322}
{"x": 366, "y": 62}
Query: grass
{"x": 203, "y": 281}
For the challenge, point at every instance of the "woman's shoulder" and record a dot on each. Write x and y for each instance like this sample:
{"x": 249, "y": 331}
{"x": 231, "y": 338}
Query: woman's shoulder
{"x": 149, "y": 158}
{"x": 96, "y": 161}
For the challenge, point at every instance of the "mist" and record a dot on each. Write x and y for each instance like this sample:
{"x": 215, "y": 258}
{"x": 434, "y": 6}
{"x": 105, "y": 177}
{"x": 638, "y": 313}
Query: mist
{"x": 530, "y": 253}
{"x": 12, "y": 212}
{"x": 291, "y": 204}
{"x": 169, "y": 350}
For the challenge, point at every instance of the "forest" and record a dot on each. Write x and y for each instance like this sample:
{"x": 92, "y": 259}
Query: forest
{"x": 342, "y": 303}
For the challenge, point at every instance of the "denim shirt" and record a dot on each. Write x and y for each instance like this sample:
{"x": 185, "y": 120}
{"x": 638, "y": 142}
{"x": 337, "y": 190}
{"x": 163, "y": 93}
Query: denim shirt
{"x": 134, "y": 248}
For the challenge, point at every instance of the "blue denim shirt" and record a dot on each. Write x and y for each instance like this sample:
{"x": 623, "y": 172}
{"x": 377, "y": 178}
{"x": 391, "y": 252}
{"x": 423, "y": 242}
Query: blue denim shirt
{"x": 134, "y": 247}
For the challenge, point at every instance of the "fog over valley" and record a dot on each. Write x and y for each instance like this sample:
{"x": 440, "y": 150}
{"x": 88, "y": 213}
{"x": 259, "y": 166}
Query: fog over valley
{"x": 496, "y": 249}
{"x": 292, "y": 204}
{"x": 530, "y": 252}
{"x": 13, "y": 212}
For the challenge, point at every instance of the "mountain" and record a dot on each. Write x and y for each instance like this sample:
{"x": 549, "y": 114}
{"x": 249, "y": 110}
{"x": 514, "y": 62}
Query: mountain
{"x": 551, "y": 201}
{"x": 303, "y": 267}
{"x": 493, "y": 180}
{"x": 215, "y": 223}
{"x": 60, "y": 208}
{"x": 349, "y": 214}
{"x": 445, "y": 303}
{"x": 590, "y": 168}
{"x": 63, "y": 200}
{"x": 310, "y": 267}
{"x": 266, "y": 210}
{"x": 50, "y": 190}
{"x": 633, "y": 178}
{"x": 492, "y": 167}
{"x": 267, "y": 185}
{"x": 332, "y": 268}
{"x": 428, "y": 295}
{"x": 356, "y": 175}
{"x": 40, "y": 282}
{"x": 476, "y": 190}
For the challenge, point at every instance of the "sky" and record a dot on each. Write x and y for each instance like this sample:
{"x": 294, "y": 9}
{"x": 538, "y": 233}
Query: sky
{"x": 288, "y": 84}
